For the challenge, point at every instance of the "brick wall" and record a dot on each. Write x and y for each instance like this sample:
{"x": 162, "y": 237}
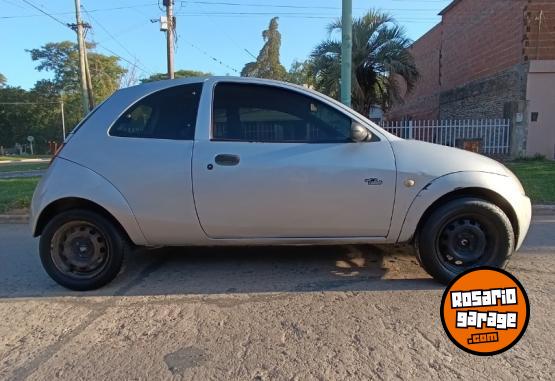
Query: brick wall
{"x": 423, "y": 102}
{"x": 487, "y": 98}
{"x": 470, "y": 61}
{"x": 480, "y": 38}
{"x": 476, "y": 64}
{"x": 539, "y": 43}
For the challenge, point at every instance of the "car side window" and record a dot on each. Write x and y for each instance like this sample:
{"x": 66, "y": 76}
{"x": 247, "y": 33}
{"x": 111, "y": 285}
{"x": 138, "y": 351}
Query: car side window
{"x": 165, "y": 114}
{"x": 261, "y": 113}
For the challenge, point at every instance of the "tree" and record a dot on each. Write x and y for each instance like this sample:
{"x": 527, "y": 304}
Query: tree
{"x": 381, "y": 60}
{"x": 33, "y": 112}
{"x": 302, "y": 73}
{"x": 3, "y": 80}
{"x": 177, "y": 74}
{"x": 267, "y": 64}
{"x": 37, "y": 111}
{"x": 62, "y": 58}
{"x": 13, "y": 115}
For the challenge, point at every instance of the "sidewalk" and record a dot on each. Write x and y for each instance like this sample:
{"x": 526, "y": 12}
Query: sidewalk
{"x": 20, "y": 174}
{"x": 25, "y": 161}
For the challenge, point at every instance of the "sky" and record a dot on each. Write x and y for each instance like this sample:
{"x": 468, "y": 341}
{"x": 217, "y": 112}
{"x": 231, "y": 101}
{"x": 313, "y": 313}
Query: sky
{"x": 217, "y": 36}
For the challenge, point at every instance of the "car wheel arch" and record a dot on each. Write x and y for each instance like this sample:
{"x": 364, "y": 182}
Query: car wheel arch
{"x": 73, "y": 203}
{"x": 473, "y": 192}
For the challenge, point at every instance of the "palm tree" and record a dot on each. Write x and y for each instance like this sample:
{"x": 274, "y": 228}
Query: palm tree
{"x": 381, "y": 62}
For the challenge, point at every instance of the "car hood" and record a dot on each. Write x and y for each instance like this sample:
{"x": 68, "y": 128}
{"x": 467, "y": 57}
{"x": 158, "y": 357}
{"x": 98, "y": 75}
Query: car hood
{"x": 432, "y": 160}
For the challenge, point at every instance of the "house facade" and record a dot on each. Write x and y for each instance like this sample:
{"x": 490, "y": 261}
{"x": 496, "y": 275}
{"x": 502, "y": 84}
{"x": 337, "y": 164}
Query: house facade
{"x": 490, "y": 60}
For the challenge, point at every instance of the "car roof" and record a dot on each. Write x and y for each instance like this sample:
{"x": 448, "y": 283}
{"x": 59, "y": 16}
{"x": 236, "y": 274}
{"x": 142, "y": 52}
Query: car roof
{"x": 167, "y": 83}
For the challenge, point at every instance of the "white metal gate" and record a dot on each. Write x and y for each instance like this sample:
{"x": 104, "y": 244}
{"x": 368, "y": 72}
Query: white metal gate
{"x": 490, "y": 136}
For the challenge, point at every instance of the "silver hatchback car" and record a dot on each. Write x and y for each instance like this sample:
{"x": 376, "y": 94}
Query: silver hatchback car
{"x": 237, "y": 161}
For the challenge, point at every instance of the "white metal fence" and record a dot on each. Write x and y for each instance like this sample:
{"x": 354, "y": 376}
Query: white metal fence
{"x": 487, "y": 136}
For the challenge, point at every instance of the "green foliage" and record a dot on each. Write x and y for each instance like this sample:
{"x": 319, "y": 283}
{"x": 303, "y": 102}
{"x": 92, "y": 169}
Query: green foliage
{"x": 19, "y": 167}
{"x": 177, "y": 74}
{"x": 16, "y": 193}
{"x": 302, "y": 73}
{"x": 62, "y": 58}
{"x": 3, "y": 80}
{"x": 536, "y": 157}
{"x": 537, "y": 177}
{"x": 267, "y": 64}
{"x": 28, "y": 113}
{"x": 381, "y": 61}
{"x": 38, "y": 111}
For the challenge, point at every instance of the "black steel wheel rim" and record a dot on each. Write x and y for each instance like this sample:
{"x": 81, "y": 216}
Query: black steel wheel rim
{"x": 80, "y": 250}
{"x": 465, "y": 241}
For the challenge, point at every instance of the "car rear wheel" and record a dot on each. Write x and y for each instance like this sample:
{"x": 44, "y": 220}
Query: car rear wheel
{"x": 463, "y": 234}
{"x": 81, "y": 250}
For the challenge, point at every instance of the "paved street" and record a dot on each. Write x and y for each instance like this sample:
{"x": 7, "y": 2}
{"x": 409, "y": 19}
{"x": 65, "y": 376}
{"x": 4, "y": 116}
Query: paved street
{"x": 255, "y": 314}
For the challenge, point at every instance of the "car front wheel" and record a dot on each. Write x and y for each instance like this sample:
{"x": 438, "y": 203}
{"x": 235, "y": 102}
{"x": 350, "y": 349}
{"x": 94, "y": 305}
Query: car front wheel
{"x": 463, "y": 234}
{"x": 81, "y": 250}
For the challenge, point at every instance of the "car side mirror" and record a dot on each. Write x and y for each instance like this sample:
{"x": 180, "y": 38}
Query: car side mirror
{"x": 359, "y": 133}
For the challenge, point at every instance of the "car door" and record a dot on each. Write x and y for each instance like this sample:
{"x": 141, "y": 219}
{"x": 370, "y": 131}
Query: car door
{"x": 279, "y": 163}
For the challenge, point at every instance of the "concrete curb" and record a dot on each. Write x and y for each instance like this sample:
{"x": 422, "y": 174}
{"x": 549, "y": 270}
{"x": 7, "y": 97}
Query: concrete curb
{"x": 24, "y": 161}
{"x": 14, "y": 218}
{"x": 24, "y": 218}
{"x": 22, "y": 174}
{"x": 543, "y": 209}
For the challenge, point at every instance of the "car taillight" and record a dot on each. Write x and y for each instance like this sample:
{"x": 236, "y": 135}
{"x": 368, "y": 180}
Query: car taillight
{"x": 56, "y": 153}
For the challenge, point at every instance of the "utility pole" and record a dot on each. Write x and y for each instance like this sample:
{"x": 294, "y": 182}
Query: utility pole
{"x": 90, "y": 94}
{"x": 346, "y": 51}
{"x": 82, "y": 65}
{"x": 63, "y": 117}
{"x": 169, "y": 35}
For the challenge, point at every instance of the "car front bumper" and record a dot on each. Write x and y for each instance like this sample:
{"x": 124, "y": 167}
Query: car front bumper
{"x": 523, "y": 210}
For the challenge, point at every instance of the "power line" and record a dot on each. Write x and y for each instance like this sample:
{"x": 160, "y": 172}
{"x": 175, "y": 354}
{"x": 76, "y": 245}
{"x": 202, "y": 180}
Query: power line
{"x": 127, "y": 30}
{"x": 13, "y": 3}
{"x": 114, "y": 38}
{"x": 288, "y": 6}
{"x": 228, "y": 36}
{"x": 262, "y": 13}
{"x": 217, "y": 60}
{"x": 46, "y": 13}
{"x": 284, "y": 15}
{"x": 267, "y": 14}
{"x": 70, "y": 13}
{"x": 67, "y": 25}
{"x": 124, "y": 59}
{"x": 296, "y": 15}
{"x": 226, "y": 3}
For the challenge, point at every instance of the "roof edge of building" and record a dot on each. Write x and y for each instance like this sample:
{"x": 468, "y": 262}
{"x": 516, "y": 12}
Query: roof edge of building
{"x": 448, "y": 8}
{"x": 438, "y": 25}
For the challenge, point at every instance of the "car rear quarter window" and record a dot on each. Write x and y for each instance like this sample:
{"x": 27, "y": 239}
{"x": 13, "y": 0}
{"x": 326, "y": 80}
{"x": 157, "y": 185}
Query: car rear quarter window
{"x": 263, "y": 113}
{"x": 166, "y": 114}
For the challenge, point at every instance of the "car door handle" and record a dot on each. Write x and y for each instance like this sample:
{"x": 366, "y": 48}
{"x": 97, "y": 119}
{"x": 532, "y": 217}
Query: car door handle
{"x": 227, "y": 160}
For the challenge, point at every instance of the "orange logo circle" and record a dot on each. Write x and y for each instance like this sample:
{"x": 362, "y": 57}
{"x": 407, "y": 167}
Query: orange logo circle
{"x": 485, "y": 311}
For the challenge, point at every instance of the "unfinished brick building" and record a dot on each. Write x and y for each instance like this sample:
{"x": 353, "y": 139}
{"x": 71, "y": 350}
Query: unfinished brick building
{"x": 490, "y": 59}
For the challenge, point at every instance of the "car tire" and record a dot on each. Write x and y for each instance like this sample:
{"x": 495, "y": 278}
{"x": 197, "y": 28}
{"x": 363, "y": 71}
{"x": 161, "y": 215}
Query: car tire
{"x": 462, "y": 234}
{"x": 82, "y": 250}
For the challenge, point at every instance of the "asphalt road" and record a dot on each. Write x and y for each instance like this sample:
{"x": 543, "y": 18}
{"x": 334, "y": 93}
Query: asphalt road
{"x": 333, "y": 313}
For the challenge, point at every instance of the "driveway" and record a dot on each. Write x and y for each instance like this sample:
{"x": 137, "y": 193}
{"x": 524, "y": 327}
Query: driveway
{"x": 334, "y": 313}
